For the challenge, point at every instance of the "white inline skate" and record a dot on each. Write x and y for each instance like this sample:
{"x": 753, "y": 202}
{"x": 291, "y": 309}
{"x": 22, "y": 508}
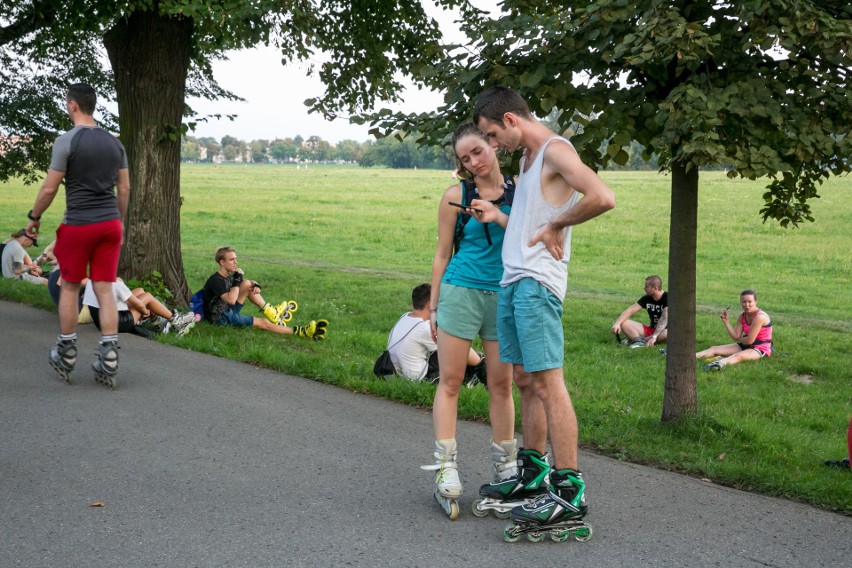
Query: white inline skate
{"x": 448, "y": 488}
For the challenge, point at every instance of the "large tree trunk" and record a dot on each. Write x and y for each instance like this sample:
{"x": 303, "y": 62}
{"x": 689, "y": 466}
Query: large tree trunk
{"x": 150, "y": 57}
{"x": 680, "y": 398}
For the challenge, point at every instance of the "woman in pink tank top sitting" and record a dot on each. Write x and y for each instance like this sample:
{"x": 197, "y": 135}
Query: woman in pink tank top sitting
{"x": 753, "y": 336}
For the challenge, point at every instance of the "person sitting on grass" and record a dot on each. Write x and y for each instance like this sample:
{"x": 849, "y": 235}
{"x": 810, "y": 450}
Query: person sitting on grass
{"x": 414, "y": 352}
{"x": 656, "y": 303}
{"x": 15, "y": 261}
{"x": 135, "y": 306}
{"x": 753, "y": 334}
{"x": 47, "y": 260}
{"x": 226, "y": 291}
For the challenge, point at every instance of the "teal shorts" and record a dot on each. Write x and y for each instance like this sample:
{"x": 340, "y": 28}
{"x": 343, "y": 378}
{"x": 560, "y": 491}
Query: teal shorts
{"x": 467, "y": 312}
{"x": 529, "y": 326}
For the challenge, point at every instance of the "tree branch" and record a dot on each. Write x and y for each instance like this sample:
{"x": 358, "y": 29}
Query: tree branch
{"x": 40, "y": 14}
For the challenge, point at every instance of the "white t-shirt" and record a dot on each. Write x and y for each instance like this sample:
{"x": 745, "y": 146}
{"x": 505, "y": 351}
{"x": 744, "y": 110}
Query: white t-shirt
{"x": 410, "y": 356}
{"x": 119, "y": 289}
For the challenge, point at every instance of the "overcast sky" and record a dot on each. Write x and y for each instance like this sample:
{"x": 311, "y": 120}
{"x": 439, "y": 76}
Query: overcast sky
{"x": 274, "y": 101}
{"x": 274, "y": 96}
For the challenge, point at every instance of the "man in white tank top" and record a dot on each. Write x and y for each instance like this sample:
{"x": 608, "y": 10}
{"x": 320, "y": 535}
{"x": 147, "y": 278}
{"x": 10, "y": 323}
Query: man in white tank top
{"x": 555, "y": 190}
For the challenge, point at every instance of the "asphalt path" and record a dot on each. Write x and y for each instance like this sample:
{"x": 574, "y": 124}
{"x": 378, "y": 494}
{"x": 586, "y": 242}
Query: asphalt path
{"x": 200, "y": 461}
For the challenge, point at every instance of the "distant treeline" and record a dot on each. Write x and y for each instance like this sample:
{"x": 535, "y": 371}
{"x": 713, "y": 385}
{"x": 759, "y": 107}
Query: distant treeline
{"x": 387, "y": 152}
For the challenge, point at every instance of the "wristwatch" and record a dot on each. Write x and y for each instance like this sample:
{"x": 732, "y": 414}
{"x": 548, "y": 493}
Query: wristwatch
{"x": 32, "y": 217}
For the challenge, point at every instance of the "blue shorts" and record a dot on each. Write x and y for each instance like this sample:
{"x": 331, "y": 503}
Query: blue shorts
{"x": 234, "y": 317}
{"x": 467, "y": 312}
{"x": 529, "y": 326}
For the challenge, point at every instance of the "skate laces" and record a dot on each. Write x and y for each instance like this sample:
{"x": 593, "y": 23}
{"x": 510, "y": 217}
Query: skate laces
{"x": 447, "y": 476}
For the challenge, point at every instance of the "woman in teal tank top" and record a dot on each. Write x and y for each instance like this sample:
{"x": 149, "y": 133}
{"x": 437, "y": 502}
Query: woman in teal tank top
{"x": 464, "y": 306}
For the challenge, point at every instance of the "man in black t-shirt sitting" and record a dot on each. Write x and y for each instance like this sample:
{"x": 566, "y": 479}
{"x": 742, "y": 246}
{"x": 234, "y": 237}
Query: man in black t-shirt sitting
{"x": 226, "y": 291}
{"x": 656, "y": 303}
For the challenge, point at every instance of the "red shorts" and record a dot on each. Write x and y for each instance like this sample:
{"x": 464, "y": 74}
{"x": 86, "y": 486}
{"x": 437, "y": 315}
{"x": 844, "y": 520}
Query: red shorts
{"x": 649, "y": 331}
{"x": 96, "y": 247}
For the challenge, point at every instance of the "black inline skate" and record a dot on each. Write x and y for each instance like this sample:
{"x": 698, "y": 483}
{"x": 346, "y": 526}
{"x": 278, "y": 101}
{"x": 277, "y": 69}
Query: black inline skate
{"x": 63, "y": 357}
{"x": 105, "y": 364}
{"x": 530, "y": 482}
{"x": 558, "y": 513}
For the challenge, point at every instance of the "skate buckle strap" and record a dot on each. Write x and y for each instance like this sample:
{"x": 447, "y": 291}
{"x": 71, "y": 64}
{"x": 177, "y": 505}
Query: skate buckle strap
{"x": 440, "y": 466}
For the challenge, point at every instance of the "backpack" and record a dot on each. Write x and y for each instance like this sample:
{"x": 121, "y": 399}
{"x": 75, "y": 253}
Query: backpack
{"x": 383, "y": 367}
{"x": 196, "y": 303}
{"x": 469, "y": 193}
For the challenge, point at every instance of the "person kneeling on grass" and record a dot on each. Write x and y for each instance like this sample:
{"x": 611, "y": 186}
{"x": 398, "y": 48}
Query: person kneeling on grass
{"x": 226, "y": 291}
{"x": 135, "y": 306}
{"x": 753, "y": 334}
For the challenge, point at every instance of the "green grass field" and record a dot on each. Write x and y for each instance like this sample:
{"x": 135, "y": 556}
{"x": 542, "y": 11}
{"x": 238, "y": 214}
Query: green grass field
{"x": 349, "y": 244}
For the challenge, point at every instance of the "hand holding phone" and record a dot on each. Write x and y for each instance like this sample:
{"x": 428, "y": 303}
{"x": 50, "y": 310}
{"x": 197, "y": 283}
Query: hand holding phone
{"x": 460, "y": 206}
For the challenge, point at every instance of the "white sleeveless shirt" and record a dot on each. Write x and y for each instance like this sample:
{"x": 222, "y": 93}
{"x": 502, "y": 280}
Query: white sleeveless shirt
{"x": 530, "y": 212}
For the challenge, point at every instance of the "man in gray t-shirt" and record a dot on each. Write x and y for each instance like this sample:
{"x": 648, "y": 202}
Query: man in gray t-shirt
{"x": 93, "y": 165}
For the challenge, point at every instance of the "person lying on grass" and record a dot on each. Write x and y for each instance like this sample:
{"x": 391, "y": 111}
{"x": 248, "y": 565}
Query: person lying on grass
{"x": 753, "y": 336}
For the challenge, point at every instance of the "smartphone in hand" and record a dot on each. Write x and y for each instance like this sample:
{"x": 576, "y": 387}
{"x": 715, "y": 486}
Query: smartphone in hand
{"x": 460, "y": 206}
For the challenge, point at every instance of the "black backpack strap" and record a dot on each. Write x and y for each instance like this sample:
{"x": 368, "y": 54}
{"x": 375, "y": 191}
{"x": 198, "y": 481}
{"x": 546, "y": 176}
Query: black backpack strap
{"x": 469, "y": 193}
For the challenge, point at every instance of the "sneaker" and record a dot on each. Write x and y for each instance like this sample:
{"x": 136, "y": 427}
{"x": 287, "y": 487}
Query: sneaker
{"x": 315, "y": 330}
{"x": 714, "y": 366}
{"x": 637, "y": 343}
{"x": 182, "y": 323}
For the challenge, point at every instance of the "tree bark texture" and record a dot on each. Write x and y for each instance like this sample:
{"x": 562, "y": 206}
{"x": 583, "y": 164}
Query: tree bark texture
{"x": 150, "y": 56}
{"x": 680, "y": 398}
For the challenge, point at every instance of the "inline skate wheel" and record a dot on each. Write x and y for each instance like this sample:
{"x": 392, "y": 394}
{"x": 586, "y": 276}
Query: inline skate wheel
{"x": 454, "y": 510}
{"x": 502, "y": 514}
{"x": 583, "y": 533}
{"x": 108, "y": 381}
{"x": 560, "y": 536}
{"x": 512, "y": 533}
{"x": 477, "y": 512}
{"x": 450, "y": 506}
{"x": 63, "y": 374}
{"x": 535, "y": 536}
